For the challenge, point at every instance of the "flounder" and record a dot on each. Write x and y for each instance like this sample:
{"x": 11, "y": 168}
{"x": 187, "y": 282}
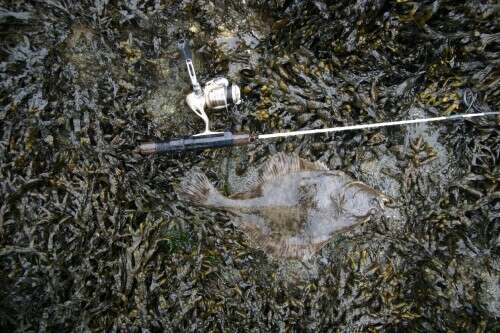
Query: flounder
{"x": 294, "y": 207}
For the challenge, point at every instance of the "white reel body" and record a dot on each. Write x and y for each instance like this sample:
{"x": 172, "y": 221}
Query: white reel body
{"x": 217, "y": 94}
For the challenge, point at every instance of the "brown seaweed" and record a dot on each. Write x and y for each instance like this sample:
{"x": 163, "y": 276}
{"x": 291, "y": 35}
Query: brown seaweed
{"x": 93, "y": 237}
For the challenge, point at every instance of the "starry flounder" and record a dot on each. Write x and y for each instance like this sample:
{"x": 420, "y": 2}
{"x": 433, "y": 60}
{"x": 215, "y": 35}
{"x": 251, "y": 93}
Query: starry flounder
{"x": 294, "y": 207}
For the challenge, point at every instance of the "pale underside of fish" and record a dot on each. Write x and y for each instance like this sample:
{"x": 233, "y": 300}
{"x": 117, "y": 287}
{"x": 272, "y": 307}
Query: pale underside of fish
{"x": 294, "y": 207}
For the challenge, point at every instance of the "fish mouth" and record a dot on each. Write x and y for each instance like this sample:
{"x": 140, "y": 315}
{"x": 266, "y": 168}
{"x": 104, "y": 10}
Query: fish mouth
{"x": 387, "y": 201}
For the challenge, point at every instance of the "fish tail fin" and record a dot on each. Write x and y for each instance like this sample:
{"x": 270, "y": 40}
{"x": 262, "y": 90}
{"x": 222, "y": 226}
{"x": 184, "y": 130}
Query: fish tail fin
{"x": 197, "y": 189}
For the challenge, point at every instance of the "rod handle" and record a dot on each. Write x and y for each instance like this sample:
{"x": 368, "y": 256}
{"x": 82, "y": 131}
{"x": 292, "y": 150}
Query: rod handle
{"x": 225, "y": 139}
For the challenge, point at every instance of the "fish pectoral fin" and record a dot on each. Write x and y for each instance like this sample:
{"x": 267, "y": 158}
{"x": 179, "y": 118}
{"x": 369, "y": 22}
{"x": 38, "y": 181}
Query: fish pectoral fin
{"x": 338, "y": 202}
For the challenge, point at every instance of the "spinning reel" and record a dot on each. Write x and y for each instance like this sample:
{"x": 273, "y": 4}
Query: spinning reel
{"x": 217, "y": 94}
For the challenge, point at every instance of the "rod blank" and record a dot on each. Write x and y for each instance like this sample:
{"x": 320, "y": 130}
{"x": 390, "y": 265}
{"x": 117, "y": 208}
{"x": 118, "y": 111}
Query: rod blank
{"x": 376, "y": 125}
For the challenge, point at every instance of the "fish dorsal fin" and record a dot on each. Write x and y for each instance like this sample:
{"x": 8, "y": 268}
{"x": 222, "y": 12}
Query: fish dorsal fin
{"x": 282, "y": 164}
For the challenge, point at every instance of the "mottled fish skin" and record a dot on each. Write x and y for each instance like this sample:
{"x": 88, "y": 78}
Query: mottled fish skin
{"x": 295, "y": 206}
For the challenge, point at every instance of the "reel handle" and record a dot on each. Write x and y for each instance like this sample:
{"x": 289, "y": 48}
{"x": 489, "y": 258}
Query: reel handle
{"x": 183, "y": 46}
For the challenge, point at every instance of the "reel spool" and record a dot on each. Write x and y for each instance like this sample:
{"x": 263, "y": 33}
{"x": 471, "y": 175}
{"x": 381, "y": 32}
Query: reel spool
{"x": 219, "y": 94}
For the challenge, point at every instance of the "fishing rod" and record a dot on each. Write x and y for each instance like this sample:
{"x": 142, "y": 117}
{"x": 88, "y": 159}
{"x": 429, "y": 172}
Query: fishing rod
{"x": 218, "y": 93}
{"x": 226, "y": 139}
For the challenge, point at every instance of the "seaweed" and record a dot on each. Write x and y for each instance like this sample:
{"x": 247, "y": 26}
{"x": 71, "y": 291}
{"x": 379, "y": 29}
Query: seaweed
{"x": 94, "y": 238}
